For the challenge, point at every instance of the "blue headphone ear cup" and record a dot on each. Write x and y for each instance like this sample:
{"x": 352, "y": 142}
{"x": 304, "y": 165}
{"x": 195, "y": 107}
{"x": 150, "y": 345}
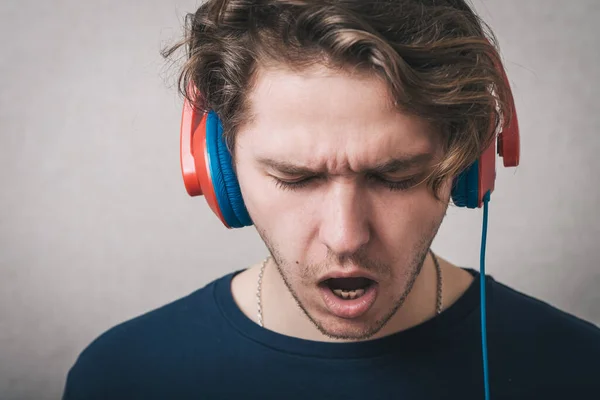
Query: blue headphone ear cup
{"x": 465, "y": 190}
{"x": 226, "y": 185}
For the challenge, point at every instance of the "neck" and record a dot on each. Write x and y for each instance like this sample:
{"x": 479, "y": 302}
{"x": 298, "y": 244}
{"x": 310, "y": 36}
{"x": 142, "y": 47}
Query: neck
{"x": 281, "y": 313}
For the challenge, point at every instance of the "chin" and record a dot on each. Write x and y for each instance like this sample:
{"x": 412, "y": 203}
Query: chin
{"x": 350, "y": 330}
{"x": 356, "y": 329}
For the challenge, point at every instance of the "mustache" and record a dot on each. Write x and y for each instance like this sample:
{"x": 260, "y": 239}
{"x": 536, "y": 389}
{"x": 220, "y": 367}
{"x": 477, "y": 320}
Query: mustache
{"x": 358, "y": 260}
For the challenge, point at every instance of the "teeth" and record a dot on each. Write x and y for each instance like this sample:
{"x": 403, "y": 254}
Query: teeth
{"x": 349, "y": 294}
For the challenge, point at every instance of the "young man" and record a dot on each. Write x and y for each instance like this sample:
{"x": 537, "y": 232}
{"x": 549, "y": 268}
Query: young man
{"x": 347, "y": 123}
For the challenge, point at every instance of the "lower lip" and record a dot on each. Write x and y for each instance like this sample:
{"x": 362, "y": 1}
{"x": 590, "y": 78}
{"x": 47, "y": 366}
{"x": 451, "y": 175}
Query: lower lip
{"x": 349, "y": 308}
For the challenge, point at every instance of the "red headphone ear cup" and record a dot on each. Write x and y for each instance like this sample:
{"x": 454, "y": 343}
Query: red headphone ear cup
{"x": 509, "y": 141}
{"x": 194, "y": 158}
{"x": 189, "y": 123}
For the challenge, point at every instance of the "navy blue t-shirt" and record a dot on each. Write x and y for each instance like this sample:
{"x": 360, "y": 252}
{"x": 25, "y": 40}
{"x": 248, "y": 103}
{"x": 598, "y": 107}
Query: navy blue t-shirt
{"x": 203, "y": 347}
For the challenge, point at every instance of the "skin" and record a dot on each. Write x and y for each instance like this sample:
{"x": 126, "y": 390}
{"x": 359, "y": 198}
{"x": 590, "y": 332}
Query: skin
{"x": 339, "y": 125}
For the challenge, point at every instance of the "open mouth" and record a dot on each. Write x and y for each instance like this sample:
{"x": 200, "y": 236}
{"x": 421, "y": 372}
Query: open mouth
{"x": 349, "y": 288}
{"x": 349, "y": 297}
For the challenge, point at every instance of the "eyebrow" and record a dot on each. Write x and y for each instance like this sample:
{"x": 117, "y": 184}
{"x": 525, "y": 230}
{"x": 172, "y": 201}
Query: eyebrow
{"x": 397, "y": 164}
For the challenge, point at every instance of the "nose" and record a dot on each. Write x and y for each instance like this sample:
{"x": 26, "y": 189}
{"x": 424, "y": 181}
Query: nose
{"x": 345, "y": 226}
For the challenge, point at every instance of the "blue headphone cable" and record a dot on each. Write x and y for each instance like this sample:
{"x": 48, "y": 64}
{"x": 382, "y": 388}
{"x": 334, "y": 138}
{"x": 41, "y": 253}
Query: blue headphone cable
{"x": 486, "y": 382}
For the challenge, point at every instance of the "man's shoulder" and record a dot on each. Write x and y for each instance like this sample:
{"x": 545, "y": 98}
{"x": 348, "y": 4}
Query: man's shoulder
{"x": 551, "y": 345}
{"x": 153, "y": 343}
{"x": 168, "y": 317}
{"x": 521, "y": 311}
{"x": 537, "y": 348}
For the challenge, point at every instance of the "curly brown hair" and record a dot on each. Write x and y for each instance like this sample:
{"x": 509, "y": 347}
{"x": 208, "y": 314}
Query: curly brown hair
{"x": 439, "y": 59}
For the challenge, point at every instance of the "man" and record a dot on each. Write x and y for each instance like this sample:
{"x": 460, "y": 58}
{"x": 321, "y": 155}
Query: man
{"x": 347, "y": 124}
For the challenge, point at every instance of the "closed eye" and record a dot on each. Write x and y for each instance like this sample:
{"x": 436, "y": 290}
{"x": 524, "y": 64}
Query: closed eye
{"x": 404, "y": 184}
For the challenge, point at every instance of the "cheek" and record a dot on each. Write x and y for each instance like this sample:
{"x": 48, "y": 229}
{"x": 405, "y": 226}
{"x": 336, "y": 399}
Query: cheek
{"x": 408, "y": 223}
{"x": 284, "y": 217}
{"x": 255, "y": 191}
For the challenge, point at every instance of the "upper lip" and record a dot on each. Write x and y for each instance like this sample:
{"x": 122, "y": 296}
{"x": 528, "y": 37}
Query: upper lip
{"x": 348, "y": 273}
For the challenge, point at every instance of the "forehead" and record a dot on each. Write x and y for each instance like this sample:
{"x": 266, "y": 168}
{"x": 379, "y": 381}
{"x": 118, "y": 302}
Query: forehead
{"x": 330, "y": 119}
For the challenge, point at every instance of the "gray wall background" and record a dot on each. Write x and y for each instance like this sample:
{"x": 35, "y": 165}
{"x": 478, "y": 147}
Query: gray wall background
{"x": 95, "y": 225}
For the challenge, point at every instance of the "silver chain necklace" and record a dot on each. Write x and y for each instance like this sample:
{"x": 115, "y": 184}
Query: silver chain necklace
{"x": 438, "y": 302}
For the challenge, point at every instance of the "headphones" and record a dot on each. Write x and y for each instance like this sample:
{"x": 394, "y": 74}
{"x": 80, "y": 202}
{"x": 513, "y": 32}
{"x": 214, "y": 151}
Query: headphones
{"x": 207, "y": 168}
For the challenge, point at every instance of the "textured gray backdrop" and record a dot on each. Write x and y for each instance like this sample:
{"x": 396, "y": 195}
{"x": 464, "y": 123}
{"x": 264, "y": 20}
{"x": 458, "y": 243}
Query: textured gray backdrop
{"x": 95, "y": 225}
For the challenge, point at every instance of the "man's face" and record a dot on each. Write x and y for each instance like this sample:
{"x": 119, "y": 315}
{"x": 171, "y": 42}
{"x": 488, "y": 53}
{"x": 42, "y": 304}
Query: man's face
{"x": 353, "y": 210}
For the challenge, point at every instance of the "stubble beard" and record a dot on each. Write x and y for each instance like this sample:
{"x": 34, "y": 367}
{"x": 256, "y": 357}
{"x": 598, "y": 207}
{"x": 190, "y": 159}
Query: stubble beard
{"x": 412, "y": 272}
